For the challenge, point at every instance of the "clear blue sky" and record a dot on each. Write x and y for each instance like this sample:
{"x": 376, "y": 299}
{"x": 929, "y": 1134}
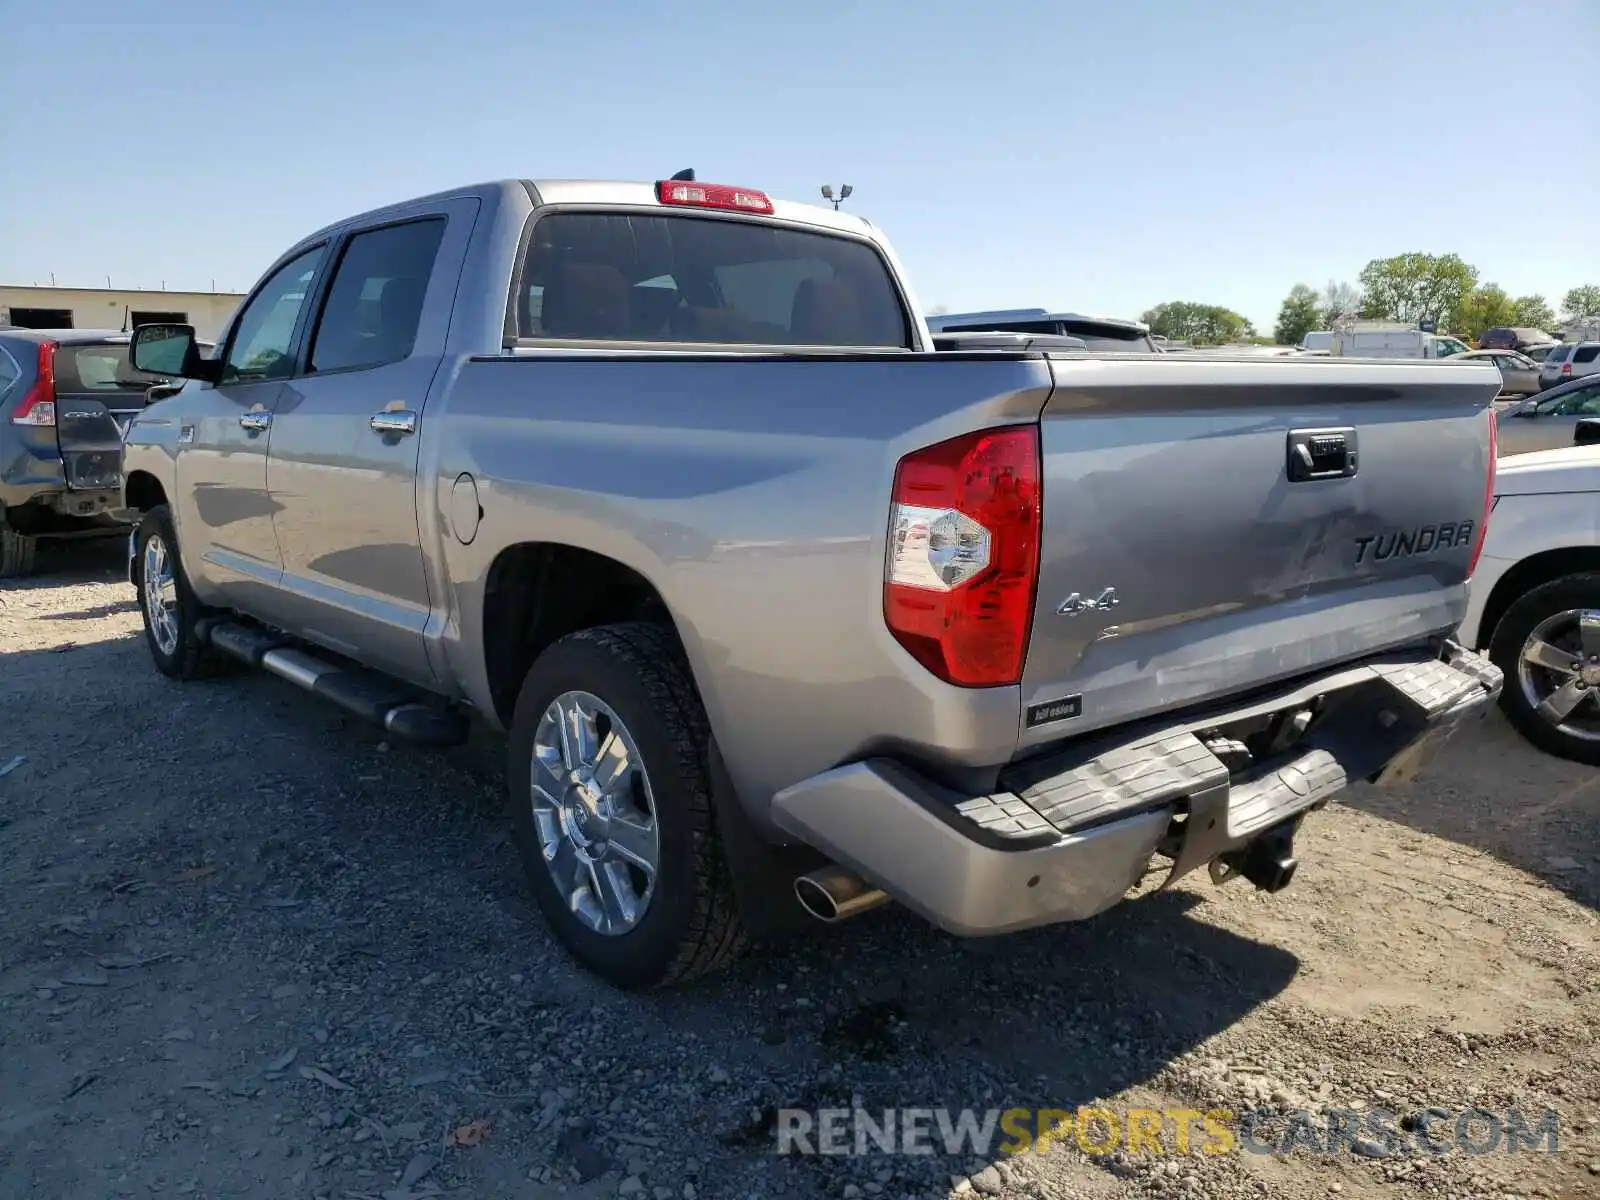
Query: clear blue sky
{"x": 1101, "y": 157}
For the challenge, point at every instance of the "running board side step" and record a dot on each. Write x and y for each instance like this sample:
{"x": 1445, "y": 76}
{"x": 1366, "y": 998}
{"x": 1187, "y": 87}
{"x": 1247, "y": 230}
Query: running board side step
{"x": 380, "y": 701}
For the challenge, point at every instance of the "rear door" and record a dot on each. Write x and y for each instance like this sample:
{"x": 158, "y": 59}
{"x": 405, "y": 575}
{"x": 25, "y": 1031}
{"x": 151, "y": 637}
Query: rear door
{"x": 342, "y": 472}
{"x": 1184, "y": 557}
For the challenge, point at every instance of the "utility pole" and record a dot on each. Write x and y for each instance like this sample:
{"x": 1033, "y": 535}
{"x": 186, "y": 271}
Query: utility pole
{"x": 844, "y": 194}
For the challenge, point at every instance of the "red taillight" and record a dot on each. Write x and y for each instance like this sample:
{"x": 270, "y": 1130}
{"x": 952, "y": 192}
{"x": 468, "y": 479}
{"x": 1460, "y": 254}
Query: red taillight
{"x": 963, "y": 561}
{"x": 712, "y": 195}
{"x": 1488, "y": 493}
{"x": 1566, "y": 368}
{"x": 38, "y": 404}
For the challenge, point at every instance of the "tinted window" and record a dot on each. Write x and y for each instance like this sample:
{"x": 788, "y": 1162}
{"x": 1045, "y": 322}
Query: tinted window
{"x": 264, "y": 334}
{"x": 1585, "y": 354}
{"x": 1557, "y": 354}
{"x": 592, "y": 276}
{"x": 375, "y": 303}
{"x": 9, "y": 371}
{"x": 99, "y": 367}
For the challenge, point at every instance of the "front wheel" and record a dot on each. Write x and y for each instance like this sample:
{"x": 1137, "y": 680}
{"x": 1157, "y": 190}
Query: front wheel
{"x": 1548, "y": 645}
{"x": 611, "y": 802}
{"x": 171, "y": 612}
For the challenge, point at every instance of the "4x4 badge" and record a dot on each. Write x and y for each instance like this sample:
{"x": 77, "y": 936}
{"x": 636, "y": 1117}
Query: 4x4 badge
{"x": 1077, "y": 603}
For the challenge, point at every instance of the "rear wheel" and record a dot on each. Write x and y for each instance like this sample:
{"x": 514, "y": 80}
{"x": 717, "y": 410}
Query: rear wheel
{"x": 171, "y": 612}
{"x": 1548, "y": 645}
{"x": 16, "y": 552}
{"x": 611, "y": 802}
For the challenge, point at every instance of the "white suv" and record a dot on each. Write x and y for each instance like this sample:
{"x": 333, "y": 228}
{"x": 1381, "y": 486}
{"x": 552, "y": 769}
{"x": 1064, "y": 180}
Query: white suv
{"x": 1571, "y": 361}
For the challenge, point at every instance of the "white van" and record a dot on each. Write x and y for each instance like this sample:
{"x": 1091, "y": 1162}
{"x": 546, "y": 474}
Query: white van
{"x": 1397, "y": 341}
{"x": 1318, "y": 341}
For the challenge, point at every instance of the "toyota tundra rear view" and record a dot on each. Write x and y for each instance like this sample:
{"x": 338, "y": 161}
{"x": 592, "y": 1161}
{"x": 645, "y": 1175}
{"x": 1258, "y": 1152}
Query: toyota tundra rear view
{"x": 785, "y": 613}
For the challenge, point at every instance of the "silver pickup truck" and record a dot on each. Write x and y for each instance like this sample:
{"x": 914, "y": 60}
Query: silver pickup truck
{"x": 784, "y": 611}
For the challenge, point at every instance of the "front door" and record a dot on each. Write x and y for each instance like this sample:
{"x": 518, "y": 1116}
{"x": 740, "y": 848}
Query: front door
{"x": 224, "y": 515}
{"x": 342, "y": 475}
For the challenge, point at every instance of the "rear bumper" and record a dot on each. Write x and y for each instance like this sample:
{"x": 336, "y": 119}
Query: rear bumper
{"x": 1076, "y": 831}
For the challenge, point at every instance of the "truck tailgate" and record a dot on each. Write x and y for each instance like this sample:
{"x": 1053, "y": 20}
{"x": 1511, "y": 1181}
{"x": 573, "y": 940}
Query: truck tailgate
{"x": 1214, "y": 525}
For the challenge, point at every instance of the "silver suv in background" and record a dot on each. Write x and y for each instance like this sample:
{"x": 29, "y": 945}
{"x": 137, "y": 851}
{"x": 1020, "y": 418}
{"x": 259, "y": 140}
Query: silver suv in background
{"x": 1573, "y": 360}
{"x": 66, "y": 395}
{"x": 1099, "y": 334}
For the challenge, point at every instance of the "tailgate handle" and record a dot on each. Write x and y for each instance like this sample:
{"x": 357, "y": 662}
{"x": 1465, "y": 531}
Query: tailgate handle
{"x": 1322, "y": 454}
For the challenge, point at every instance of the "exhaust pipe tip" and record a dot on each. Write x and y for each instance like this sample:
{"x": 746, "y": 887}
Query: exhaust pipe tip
{"x": 833, "y": 894}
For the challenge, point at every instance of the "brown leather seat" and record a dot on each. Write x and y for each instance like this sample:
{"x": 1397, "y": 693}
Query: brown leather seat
{"x": 824, "y": 313}
{"x": 586, "y": 300}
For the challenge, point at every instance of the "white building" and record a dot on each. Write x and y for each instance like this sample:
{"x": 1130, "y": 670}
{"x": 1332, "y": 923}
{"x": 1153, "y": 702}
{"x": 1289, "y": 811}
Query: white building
{"x": 114, "y": 308}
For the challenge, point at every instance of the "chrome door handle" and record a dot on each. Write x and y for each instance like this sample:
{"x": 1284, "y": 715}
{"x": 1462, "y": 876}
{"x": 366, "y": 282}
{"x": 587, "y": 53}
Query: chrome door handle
{"x": 394, "y": 421}
{"x": 255, "y": 422}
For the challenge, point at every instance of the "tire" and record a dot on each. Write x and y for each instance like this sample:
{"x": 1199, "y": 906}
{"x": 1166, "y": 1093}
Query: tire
{"x": 186, "y": 655}
{"x": 687, "y": 922}
{"x": 16, "y": 553}
{"x": 1536, "y": 612}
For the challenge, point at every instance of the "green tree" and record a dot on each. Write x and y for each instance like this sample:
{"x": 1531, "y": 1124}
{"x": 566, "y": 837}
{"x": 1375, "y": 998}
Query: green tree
{"x": 1414, "y": 287}
{"x": 1535, "y": 312}
{"x": 1480, "y": 309}
{"x": 1340, "y": 302}
{"x": 1300, "y": 314}
{"x": 1202, "y": 324}
{"x": 1582, "y": 303}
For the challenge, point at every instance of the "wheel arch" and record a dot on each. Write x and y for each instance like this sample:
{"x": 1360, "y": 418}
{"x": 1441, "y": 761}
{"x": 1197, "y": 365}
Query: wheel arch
{"x": 538, "y": 592}
{"x": 1531, "y": 572}
{"x": 142, "y": 491}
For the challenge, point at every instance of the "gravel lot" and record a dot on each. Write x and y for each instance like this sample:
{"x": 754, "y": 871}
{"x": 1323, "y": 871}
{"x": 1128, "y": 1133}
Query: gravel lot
{"x": 247, "y": 949}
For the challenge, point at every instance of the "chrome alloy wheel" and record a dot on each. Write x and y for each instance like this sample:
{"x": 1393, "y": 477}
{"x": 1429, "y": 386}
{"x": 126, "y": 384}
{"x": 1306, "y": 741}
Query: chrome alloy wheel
{"x": 594, "y": 813}
{"x": 1559, "y": 672}
{"x": 160, "y": 594}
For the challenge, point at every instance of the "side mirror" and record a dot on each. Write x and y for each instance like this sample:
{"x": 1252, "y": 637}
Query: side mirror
{"x": 171, "y": 352}
{"x": 1586, "y": 432}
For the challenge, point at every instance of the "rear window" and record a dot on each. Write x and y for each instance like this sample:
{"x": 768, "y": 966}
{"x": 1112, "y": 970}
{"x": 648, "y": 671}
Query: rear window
{"x": 101, "y": 367}
{"x": 98, "y": 367}
{"x": 613, "y": 277}
{"x": 1556, "y": 354}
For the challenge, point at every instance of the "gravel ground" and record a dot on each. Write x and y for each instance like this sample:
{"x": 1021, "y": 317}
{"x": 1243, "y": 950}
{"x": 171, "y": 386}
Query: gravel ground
{"x": 247, "y": 949}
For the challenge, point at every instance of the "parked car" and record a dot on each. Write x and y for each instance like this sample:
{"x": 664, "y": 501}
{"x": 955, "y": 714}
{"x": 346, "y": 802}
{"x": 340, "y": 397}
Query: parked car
{"x": 1099, "y": 333}
{"x": 1546, "y": 421}
{"x": 1380, "y": 340}
{"x": 1519, "y": 376}
{"x": 785, "y": 613}
{"x": 1535, "y": 604}
{"x": 1506, "y": 337}
{"x": 1572, "y": 360}
{"x": 66, "y": 395}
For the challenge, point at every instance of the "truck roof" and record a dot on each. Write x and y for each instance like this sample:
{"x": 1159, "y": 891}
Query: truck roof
{"x": 602, "y": 192}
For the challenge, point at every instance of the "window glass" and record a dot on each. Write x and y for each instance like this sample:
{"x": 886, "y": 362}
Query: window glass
{"x": 1586, "y": 354}
{"x": 681, "y": 278}
{"x": 264, "y": 334}
{"x": 98, "y": 367}
{"x": 374, "y": 305}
